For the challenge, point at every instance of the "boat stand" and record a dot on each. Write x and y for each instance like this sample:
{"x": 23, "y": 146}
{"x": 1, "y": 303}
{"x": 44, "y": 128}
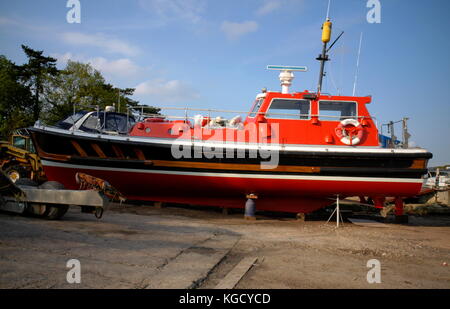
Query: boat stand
{"x": 250, "y": 207}
{"x": 338, "y": 213}
{"x": 400, "y": 216}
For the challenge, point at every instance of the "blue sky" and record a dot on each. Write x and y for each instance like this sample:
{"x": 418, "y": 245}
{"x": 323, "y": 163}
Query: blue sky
{"x": 211, "y": 53}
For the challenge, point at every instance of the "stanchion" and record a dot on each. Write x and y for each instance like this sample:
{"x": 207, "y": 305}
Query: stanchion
{"x": 338, "y": 213}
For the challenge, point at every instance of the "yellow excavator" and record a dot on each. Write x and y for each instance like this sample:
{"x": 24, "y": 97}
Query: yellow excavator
{"x": 18, "y": 158}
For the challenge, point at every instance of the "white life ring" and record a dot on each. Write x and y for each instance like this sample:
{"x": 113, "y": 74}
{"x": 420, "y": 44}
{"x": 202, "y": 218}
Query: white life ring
{"x": 350, "y": 138}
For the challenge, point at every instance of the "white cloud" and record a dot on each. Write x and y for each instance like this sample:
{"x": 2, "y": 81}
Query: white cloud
{"x": 175, "y": 10}
{"x": 268, "y": 7}
{"x": 166, "y": 90}
{"x": 7, "y": 21}
{"x": 117, "y": 68}
{"x": 107, "y": 43}
{"x": 234, "y": 31}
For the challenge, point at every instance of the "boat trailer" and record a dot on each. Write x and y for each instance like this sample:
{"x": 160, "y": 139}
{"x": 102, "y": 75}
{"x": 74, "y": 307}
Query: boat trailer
{"x": 51, "y": 201}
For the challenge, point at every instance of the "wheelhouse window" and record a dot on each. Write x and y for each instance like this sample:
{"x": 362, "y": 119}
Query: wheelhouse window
{"x": 337, "y": 110}
{"x": 289, "y": 109}
{"x": 256, "y": 107}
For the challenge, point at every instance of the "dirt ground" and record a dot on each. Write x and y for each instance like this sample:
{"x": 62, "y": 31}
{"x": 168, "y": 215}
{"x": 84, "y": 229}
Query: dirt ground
{"x": 172, "y": 247}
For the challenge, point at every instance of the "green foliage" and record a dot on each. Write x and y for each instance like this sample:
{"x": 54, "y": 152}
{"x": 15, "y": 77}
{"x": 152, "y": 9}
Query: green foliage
{"x": 16, "y": 100}
{"x": 79, "y": 86}
{"x": 35, "y": 74}
{"x": 38, "y": 90}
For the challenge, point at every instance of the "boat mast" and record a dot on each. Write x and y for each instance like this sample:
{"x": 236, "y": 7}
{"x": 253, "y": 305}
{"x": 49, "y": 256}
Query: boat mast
{"x": 326, "y": 36}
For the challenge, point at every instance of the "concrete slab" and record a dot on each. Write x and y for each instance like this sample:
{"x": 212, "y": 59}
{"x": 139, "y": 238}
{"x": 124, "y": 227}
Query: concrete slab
{"x": 121, "y": 250}
{"x": 234, "y": 276}
{"x": 192, "y": 266}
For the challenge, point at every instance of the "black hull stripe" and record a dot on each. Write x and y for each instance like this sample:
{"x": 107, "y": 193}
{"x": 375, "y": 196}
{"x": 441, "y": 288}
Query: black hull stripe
{"x": 395, "y": 165}
{"x": 324, "y": 171}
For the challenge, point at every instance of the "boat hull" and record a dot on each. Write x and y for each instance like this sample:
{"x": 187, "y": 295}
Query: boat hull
{"x": 304, "y": 181}
{"x": 287, "y": 194}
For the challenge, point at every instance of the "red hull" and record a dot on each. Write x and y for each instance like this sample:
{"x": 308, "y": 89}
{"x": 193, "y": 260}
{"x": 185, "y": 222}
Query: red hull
{"x": 275, "y": 194}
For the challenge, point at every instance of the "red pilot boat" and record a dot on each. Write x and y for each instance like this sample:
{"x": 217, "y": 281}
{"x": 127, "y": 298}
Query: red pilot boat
{"x": 293, "y": 150}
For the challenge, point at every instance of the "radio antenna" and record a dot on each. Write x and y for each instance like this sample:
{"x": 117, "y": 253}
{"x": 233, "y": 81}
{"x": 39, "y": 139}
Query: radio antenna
{"x": 328, "y": 9}
{"x": 357, "y": 64}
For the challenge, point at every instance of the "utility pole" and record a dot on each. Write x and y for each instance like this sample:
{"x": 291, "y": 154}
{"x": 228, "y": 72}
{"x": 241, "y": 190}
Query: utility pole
{"x": 118, "y": 106}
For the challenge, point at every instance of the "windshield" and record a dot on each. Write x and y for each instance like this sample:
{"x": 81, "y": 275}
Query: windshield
{"x": 109, "y": 122}
{"x": 256, "y": 107}
{"x": 69, "y": 121}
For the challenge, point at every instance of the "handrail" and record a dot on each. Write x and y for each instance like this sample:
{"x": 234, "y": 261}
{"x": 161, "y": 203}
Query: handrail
{"x": 152, "y": 115}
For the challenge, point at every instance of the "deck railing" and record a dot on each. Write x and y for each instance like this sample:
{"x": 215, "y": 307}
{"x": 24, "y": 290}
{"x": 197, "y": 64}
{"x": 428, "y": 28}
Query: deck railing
{"x": 190, "y": 113}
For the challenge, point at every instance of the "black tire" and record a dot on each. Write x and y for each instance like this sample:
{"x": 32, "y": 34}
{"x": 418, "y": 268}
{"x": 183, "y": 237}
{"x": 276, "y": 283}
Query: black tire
{"x": 52, "y": 185}
{"x": 54, "y": 212}
{"x": 16, "y": 172}
{"x": 26, "y": 182}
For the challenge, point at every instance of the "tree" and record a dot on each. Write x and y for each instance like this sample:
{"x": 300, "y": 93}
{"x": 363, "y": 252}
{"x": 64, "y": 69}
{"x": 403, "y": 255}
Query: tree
{"x": 35, "y": 73}
{"x": 16, "y": 100}
{"x": 80, "y": 86}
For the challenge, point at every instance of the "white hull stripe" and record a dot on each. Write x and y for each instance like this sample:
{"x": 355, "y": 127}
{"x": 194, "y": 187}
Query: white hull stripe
{"x": 233, "y": 175}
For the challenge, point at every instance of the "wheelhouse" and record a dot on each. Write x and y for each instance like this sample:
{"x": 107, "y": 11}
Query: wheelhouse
{"x": 309, "y": 119}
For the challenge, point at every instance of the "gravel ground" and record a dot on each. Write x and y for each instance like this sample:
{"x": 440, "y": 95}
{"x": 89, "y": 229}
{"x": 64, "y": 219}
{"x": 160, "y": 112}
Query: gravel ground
{"x": 147, "y": 247}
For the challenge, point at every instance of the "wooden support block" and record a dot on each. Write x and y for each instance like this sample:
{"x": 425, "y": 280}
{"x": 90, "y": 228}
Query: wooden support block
{"x": 158, "y": 205}
{"x": 301, "y": 217}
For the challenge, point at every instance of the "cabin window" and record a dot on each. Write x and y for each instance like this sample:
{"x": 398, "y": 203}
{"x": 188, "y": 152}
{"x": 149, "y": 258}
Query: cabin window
{"x": 115, "y": 122}
{"x": 92, "y": 123}
{"x": 118, "y": 123}
{"x": 289, "y": 109}
{"x": 256, "y": 107}
{"x": 337, "y": 110}
{"x": 19, "y": 142}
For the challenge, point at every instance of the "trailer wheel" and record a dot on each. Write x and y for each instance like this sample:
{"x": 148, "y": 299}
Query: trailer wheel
{"x": 26, "y": 182}
{"x": 52, "y": 185}
{"x": 16, "y": 172}
{"x": 32, "y": 209}
{"x": 54, "y": 212}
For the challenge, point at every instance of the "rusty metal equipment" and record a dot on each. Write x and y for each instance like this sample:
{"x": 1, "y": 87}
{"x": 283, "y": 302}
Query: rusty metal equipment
{"x": 88, "y": 182}
{"x": 51, "y": 201}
